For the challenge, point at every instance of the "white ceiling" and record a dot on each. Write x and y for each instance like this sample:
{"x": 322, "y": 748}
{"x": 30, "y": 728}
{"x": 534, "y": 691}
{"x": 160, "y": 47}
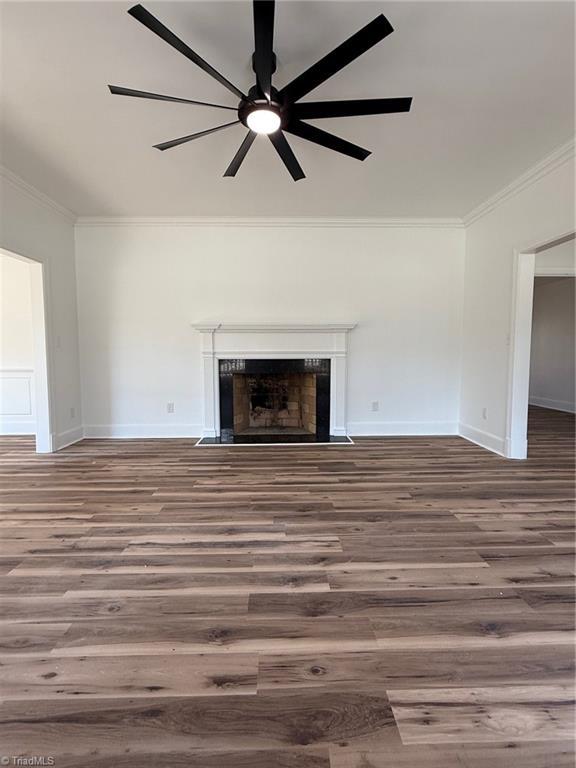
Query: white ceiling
{"x": 493, "y": 88}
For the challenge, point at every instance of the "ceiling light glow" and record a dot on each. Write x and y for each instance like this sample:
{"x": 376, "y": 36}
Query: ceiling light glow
{"x": 263, "y": 121}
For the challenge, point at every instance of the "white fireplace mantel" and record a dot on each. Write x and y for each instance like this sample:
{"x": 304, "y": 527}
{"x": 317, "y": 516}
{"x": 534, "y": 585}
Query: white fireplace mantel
{"x": 221, "y": 341}
{"x": 275, "y": 327}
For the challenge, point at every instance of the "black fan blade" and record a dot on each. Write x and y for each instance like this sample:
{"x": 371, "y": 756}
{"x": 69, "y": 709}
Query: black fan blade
{"x": 285, "y": 151}
{"x": 238, "y": 159}
{"x": 354, "y": 107}
{"x": 192, "y": 136}
{"x": 145, "y": 17}
{"x": 263, "y": 44}
{"x": 119, "y": 91}
{"x": 325, "y": 139}
{"x": 337, "y": 59}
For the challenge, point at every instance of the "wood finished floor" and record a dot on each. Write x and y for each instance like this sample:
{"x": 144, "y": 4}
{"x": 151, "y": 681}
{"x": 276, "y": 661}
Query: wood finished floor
{"x": 400, "y": 603}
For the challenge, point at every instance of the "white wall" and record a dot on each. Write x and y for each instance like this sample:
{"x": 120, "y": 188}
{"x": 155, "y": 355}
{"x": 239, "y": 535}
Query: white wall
{"x": 33, "y": 227}
{"x": 552, "y": 363}
{"x": 140, "y": 287}
{"x": 539, "y": 212}
{"x": 16, "y": 348}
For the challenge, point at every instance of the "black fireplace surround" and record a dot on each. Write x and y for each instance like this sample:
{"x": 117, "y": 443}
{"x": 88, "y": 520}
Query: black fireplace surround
{"x": 254, "y": 368}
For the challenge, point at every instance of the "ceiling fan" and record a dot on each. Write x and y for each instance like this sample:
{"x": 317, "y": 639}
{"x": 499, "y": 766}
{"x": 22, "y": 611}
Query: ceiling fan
{"x": 266, "y": 110}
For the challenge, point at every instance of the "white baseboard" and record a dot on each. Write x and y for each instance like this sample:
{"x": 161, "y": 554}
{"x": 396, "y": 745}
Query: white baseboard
{"x": 70, "y": 436}
{"x": 17, "y": 425}
{"x": 359, "y": 428}
{"x": 127, "y": 431}
{"x": 544, "y": 271}
{"x": 400, "y": 428}
{"x": 492, "y": 442}
{"x": 554, "y": 405}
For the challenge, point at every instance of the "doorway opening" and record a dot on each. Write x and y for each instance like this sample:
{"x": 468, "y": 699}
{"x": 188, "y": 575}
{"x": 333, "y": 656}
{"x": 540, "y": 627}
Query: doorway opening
{"x": 554, "y": 259}
{"x": 24, "y": 383}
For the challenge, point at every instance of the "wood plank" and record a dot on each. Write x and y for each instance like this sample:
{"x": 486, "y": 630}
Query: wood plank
{"x": 210, "y": 723}
{"x": 511, "y": 754}
{"x": 383, "y": 559}
{"x": 392, "y": 602}
{"x": 248, "y": 546}
{"x": 30, "y": 639}
{"x": 440, "y": 578}
{"x": 158, "y": 585}
{"x": 549, "y": 598}
{"x": 277, "y": 758}
{"x": 51, "y": 566}
{"x": 435, "y": 668}
{"x": 464, "y": 715}
{"x": 213, "y": 636}
{"x": 127, "y": 676}
{"x": 477, "y": 631}
{"x": 51, "y": 609}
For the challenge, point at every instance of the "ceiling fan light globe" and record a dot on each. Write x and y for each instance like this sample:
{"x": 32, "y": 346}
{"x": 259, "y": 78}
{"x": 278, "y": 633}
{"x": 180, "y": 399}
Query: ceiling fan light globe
{"x": 263, "y": 121}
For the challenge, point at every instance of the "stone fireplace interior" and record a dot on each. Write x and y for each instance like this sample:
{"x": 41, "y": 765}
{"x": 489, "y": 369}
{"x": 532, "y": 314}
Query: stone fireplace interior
{"x": 275, "y": 400}
{"x": 275, "y": 404}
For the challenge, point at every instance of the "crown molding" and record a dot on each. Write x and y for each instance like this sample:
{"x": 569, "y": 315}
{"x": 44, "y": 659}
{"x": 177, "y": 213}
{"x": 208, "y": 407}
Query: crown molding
{"x": 35, "y": 194}
{"x": 301, "y": 222}
{"x": 561, "y": 155}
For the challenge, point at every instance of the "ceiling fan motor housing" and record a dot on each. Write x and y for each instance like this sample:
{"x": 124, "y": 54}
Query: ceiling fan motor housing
{"x": 256, "y": 101}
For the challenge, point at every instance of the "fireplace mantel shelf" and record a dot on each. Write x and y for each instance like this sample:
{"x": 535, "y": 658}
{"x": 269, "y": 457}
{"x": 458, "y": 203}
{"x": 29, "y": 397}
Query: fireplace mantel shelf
{"x": 274, "y": 327}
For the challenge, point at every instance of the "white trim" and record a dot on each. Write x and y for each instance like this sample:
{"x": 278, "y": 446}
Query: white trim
{"x": 200, "y": 444}
{"x": 42, "y": 385}
{"x": 401, "y": 428}
{"x": 301, "y": 222}
{"x": 256, "y": 354}
{"x": 553, "y": 405}
{"x": 556, "y": 158}
{"x": 524, "y": 272}
{"x": 43, "y": 357}
{"x": 17, "y": 425}
{"x": 545, "y": 166}
{"x": 19, "y": 422}
{"x": 36, "y": 194}
{"x": 274, "y": 327}
{"x": 486, "y": 440}
{"x": 16, "y": 371}
{"x": 25, "y": 375}
{"x": 520, "y": 339}
{"x": 67, "y": 438}
{"x": 129, "y": 431}
{"x": 544, "y": 271}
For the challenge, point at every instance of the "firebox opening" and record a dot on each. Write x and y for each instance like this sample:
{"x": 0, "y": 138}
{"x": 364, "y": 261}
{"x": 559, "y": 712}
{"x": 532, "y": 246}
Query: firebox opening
{"x": 274, "y": 400}
{"x": 274, "y": 404}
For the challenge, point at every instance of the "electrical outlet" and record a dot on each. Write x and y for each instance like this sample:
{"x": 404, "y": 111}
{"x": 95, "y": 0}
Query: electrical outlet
{"x": 375, "y": 405}
{"x": 484, "y": 414}
{"x": 72, "y": 412}
{"x": 170, "y": 407}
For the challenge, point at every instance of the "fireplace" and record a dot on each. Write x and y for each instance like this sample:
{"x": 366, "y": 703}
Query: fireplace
{"x": 263, "y": 381}
{"x": 271, "y": 401}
